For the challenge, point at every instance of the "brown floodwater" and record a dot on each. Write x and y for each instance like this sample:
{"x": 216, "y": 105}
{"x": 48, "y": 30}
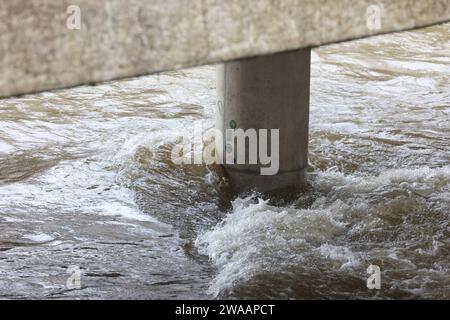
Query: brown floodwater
{"x": 86, "y": 180}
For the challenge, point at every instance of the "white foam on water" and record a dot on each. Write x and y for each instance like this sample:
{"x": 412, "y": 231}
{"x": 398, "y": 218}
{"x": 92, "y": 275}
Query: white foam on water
{"x": 128, "y": 211}
{"x": 256, "y": 238}
{"x": 341, "y": 254}
{"x": 39, "y": 238}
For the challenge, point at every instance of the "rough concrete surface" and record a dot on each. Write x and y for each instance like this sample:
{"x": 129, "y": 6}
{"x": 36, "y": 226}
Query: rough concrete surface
{"x": 123, "y": 38}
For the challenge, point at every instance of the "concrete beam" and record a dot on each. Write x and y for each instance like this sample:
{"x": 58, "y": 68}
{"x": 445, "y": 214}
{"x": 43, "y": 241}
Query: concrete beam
{"x": 124, "y": 38}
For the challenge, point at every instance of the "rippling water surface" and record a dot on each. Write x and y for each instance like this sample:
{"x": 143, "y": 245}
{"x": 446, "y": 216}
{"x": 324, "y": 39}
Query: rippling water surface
{"x": 86, "y": 180}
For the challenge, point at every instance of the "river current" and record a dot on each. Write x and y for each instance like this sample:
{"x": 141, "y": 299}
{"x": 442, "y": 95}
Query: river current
{"x": 86, "y": 180}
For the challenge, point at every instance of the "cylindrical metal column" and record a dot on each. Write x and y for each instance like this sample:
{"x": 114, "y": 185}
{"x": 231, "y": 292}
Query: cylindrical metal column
{"x": 267, "y": 92}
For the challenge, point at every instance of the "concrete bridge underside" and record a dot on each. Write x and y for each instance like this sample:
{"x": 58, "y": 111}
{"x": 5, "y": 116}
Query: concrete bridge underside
{"x": 125, "y": 38}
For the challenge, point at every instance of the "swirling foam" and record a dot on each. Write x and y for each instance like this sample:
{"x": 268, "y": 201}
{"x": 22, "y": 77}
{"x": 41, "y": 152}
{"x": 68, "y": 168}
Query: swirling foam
{"x": 353, "y": 220}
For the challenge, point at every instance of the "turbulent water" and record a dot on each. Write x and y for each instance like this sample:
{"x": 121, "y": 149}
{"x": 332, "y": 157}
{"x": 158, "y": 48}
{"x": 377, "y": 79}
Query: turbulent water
{"x": 86, "y": 180}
